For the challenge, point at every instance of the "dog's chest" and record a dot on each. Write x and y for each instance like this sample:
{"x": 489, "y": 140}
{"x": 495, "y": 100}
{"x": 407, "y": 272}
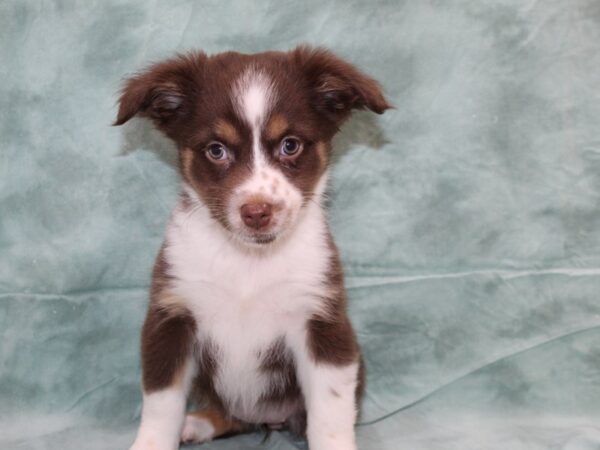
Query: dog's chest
{"x": 249, "y": 308}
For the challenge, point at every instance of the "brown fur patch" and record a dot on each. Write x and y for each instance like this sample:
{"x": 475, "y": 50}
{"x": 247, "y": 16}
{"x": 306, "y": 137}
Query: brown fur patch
{"x": 203, "y": 389}
{"x": 186, "y": 156}
{"x": 186, "y": 161}
{"x": 322, "y": 150}
{"x": 278, "y": 362}
{"x": 276, "y": 127}
{"x": 227, "y": 132}
{"x": 331, "y": 338}
{"x": 168, "y": 334}
{"x": 168, "y": 340}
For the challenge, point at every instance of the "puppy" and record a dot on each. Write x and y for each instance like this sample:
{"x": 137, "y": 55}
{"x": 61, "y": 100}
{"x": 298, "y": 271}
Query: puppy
{"x": 247, "y": 315}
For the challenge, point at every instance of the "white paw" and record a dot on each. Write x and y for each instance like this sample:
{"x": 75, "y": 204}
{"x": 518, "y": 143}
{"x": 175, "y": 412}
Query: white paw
{"x": 336, "y": 446}
{"x": 331, "y": 441}
{"x": 150, "y": 444}
{"x": 196, "y": 430}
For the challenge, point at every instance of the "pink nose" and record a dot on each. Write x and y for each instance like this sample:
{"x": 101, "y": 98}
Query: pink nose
{"x": 256, "y": 215}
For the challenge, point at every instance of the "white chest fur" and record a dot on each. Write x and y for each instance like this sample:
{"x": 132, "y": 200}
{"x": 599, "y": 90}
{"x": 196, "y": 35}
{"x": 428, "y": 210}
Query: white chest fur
{"x": 244, "y": 299}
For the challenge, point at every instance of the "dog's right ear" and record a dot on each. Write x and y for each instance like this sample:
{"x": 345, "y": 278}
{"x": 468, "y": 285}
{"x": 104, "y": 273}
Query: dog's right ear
{"x": 163, "y": 92}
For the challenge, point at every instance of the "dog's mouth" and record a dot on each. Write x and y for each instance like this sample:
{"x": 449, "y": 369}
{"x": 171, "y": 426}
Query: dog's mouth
{"x": 259, "y": 238}
{"x": 265, "y": 238}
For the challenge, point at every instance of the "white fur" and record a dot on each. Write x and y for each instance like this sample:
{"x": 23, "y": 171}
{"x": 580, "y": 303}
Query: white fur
{"x": 330, "y": 396}
{"x": 163, "y": 414}
{"x": 331, "y": 405}
{"x": 244, "y": 298}
{"x": 286, "y": 200}
{"x": 197, "y": 430}
{"x": 254, "y": 94}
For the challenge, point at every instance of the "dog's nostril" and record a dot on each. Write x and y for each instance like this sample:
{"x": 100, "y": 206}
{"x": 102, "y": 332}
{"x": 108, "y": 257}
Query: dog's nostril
{"x": 256, "y": 215}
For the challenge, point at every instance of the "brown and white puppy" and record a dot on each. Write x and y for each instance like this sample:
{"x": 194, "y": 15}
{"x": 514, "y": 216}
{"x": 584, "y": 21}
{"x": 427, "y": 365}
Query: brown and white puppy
{"x": 248, "y": 311}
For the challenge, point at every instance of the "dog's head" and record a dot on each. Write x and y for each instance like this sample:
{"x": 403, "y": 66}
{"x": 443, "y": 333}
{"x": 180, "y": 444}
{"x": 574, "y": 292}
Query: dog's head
{"x": 253, "y": 131}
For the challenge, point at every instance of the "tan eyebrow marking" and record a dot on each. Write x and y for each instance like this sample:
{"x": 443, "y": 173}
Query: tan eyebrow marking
{"x": 227, "y": 132}
{"x": 187, "y": 156}
{"x": 276, "y": 127}
{"x": 321, "y": 148}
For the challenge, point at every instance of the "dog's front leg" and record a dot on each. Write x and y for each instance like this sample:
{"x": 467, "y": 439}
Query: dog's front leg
{"x": 168, "y": 367}
{"x": 328, "y": 372}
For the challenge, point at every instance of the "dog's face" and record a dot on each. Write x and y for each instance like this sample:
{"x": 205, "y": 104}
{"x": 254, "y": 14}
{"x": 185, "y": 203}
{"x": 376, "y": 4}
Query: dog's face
{"x": 253, "y": 131}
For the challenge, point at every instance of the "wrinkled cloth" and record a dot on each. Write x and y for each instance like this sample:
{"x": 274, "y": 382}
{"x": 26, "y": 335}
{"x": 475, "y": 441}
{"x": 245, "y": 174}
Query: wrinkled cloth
{"x": 467, "y": 217}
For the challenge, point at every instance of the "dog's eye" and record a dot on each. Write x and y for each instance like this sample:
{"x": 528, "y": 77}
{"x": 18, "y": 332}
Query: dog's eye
{"x": 217, "y": 152}
{"x": 290, "y": 146}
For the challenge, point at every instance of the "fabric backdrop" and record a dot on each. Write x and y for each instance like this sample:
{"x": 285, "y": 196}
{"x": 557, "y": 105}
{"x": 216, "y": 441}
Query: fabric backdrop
{"x": 468, "y": 217}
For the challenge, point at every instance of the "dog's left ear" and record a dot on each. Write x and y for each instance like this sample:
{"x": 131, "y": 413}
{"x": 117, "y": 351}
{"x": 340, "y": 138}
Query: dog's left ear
{"x": 337, "y": 87}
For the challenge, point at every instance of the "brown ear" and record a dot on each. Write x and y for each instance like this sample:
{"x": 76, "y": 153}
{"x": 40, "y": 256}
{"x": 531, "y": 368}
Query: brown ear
{"x": 162, "y": 92}
{"x": 337, "y": 86}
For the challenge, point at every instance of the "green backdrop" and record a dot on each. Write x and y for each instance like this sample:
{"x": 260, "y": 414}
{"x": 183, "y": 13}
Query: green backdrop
{"x": 468, "y": 217}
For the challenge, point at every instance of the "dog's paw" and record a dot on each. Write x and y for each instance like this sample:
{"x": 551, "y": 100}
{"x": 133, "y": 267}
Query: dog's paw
{"x": 148, "y": 445}
{"x": 197, "y": 430}
{"x": 332, "y": 442}
{"x": 335, "y": 446}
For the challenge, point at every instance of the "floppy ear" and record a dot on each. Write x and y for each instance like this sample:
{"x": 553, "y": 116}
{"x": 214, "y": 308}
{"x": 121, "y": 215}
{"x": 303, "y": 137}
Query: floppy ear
{"x": 162, "y": 92}
{"x": 336, "y": 86}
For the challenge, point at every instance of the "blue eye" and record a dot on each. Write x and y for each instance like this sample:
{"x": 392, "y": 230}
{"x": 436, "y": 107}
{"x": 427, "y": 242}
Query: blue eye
{"x": 290, "y": 146}
{"x": 217, "y": 152}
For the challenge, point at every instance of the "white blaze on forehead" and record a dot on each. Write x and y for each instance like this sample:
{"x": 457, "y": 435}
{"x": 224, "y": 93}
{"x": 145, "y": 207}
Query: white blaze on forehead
{"x": 254, "y": 92}
{"x": 254, "y": 96}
